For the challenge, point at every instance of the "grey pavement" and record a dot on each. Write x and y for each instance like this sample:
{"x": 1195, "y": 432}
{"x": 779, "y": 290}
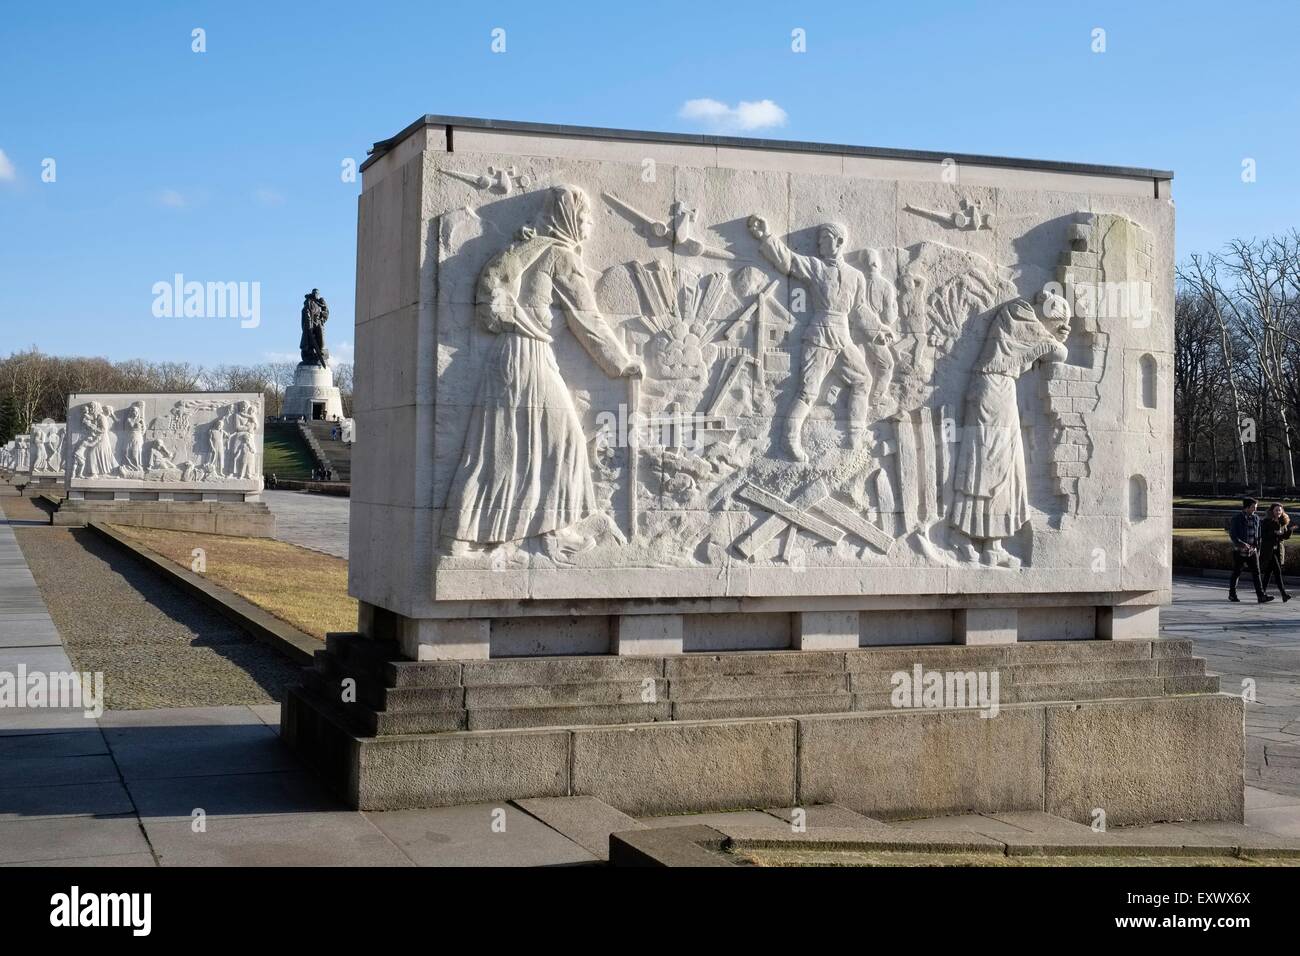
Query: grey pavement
{"x": 319, "y": 522}
{"x": 1255, "y": 648}
{"x": 214, "y": 786}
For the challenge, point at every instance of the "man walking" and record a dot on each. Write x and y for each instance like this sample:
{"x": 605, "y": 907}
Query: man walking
{"x": 1244, "y": 532}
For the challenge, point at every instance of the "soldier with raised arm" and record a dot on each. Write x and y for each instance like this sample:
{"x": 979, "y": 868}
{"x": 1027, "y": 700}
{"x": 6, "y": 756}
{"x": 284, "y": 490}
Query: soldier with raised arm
{"x": 841, "y": 297}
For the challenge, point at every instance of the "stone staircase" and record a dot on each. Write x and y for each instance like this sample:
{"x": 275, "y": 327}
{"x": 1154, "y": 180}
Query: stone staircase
{"x": 330, "y": 453}
{"x": 394, "y": 696}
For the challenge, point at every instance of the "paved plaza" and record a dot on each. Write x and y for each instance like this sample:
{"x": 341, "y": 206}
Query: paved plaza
{"x": 319, "y": 522}
{"x": 214, "y": 785}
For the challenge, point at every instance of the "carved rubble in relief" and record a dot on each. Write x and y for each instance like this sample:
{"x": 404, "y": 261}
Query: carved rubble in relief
{"x": 198, "y": 440}
{"x": 804, "y": 428}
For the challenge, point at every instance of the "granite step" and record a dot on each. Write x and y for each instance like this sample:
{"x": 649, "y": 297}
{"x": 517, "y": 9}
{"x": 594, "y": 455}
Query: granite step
{"x": 730, "y": 686}
{"x": 507, "y": 718}
{"x": 648, "y": 690}
{"x": 784, "y": 706}
{"x": 411, "y": 697}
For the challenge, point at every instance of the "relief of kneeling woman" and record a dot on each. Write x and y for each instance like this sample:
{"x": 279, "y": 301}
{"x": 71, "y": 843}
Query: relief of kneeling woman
{"x": 991, "y": 489}
{"x": 523, "y": 472}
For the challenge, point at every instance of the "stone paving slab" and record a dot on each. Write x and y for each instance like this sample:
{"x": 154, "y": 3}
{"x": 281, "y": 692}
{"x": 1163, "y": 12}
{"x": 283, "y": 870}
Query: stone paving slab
{"x": 464, "y": 836}
{"x": 824, "y": 815}
{"x": 750, "y": 818}
{"x": 158, "y": 751}
{"x": 319, "y": 522}
{"x": 21, "y": 721}
{"x": 125, "y": 859}
{"x": 78, "y": 743}
{"x": 102, "y": 799}
{"x": 231, "y": 796}
{"x": 286, "y": 839}
{"x": 586, "y": 821}
{"x": 67, "y": 838}
{"x": 55, "y": 771}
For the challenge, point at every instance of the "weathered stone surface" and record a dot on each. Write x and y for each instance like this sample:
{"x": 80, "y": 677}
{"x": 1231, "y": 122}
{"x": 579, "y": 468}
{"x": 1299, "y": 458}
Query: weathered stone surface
{"x": 1146, "y": 760}
{"x": 918, "y": 763}
{"x": 762, "y": 706}
{"x": 164, "y": 443}
{"x": 707, "y": 665}
{"x": 576, "y": 715}
{"x": 787, "y": 462}
{"x": 585, "y": 820}
{"x": 441, "y": 770}
{"x": 672, "y": 768}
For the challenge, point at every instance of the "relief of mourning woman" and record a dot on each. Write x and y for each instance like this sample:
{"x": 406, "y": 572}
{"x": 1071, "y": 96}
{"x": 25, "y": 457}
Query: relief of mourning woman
{"x": 991, "y": 492}
{"x": 524, "y": 471}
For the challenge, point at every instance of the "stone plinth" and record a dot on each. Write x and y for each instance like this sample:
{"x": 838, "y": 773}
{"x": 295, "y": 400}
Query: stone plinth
{"x": 313, "y": 394}
{"x": 627, "y": 403}
{"x": 1134, "y": 728}
{"x": 252, "y": 519}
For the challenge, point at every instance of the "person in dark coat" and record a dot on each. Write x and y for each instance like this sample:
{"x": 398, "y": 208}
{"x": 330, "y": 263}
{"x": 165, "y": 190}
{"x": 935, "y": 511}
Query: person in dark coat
{"x": 1273, "y": 530}
{"x": 1243, "y": 529}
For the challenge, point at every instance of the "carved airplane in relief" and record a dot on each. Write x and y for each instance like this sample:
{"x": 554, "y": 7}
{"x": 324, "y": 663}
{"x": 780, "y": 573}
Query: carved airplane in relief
{"x": 681, "y": 225}
{"x": 970, "y": 217}
{"x": 502, "y": 180}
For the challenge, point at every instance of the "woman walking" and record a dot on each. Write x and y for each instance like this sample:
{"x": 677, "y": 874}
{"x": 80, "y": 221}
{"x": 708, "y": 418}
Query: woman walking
{"x": 1273, "y": 530}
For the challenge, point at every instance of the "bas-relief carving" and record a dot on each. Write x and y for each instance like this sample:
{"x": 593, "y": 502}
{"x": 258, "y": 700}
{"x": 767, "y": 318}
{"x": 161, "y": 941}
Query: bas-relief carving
{"x": 525, "y": 472}
{"x": 501, "y": 180}
{"x": 22, "y": 454}
{"x": 47, "y": 442}
{"x": 871, "y": 416}
{"x": 195, "y": 441}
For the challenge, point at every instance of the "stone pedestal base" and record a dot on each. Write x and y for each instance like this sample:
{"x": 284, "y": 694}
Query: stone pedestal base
{"x": 1133, "y": 728}
{"x": 677, "y": 627}
{"x": 252, "y": 519}
{"x": 313, "y": 395}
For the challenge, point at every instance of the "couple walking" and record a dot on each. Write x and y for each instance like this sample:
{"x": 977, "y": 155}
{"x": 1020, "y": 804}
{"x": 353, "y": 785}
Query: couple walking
{"x": 1257, "y": 543}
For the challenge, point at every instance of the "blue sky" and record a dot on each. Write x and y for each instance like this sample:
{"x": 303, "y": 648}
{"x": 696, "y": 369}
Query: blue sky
{"x": 225, "y": 165}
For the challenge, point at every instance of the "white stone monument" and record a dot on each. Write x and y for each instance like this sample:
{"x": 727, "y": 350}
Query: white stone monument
{"x": 49, "y": 463}
{"x": 144, "y": 455}
{"x": 9, "y": 460}
{"x": 628, "y": 402}
{"x": 313, "y": 394}
{"x": 787, "y": 395}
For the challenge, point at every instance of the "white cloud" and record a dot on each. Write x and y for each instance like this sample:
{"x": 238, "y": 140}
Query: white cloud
{"x": 7, "y": 171}
{"x": 268, "y": 197}
{"x": 341, "y": 352}
{"x": 744, "y": 116}
{"x": 172, "y": 199}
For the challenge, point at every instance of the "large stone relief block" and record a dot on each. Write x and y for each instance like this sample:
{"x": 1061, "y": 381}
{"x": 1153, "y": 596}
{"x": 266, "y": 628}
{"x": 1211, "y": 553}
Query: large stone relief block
{"x": 47, "y": 449}
{"x": 164, "y": 442}
{"x": 679, "y": 381}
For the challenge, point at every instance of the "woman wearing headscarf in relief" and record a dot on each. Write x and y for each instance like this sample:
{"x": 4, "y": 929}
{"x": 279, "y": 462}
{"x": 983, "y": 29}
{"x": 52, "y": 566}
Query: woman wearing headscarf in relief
{"x": 991, "y": 491}
{"x": 524, "y": 470}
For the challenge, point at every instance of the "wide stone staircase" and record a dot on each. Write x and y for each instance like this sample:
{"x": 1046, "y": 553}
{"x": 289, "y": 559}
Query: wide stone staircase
{"x": 337, "y": 454}
{"x": 377, "y": 694}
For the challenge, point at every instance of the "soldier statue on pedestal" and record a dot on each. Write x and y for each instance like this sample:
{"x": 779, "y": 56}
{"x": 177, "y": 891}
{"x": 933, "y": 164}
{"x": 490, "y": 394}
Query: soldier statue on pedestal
{"x": 315, "y": 313}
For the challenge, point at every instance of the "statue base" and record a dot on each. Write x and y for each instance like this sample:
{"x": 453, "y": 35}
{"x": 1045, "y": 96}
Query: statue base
{"x": 313, "y": 395}
{"x": 1133, "y": 727}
